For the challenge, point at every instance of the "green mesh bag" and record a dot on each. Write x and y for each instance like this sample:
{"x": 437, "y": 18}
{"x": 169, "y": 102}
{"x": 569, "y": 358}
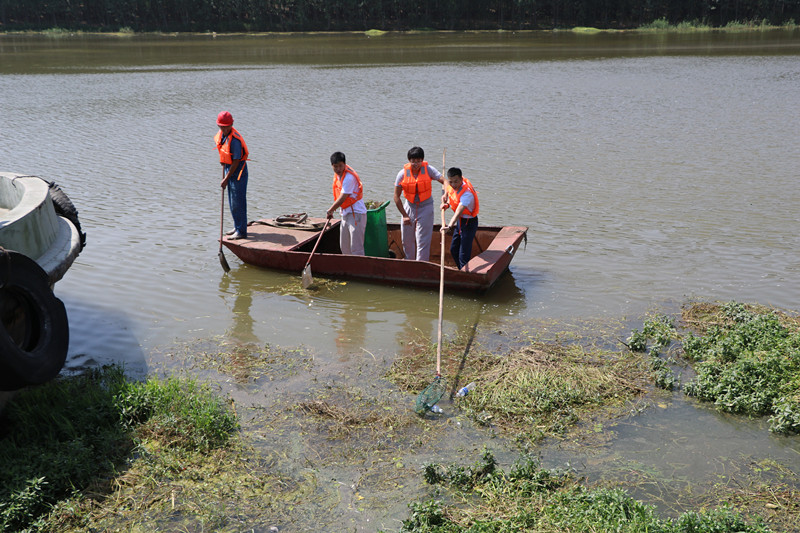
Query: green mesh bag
{"x": 430, "y": 396}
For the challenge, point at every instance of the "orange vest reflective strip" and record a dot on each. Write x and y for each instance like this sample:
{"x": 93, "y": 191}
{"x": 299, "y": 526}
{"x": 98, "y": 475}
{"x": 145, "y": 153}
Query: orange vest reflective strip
{"x": 337, "y": 187}
{"x": 225, "y": 148}
{"x": 454, "y": 198}
{"x": 419, "y": 186}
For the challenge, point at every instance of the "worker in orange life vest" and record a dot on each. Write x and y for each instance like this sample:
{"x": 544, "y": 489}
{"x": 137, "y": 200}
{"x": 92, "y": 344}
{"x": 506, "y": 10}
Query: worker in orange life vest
{"x": 233, "y": 158}
{"x": 348, "y": 194}
{"x": 413, "y": 197}
{"x": 461, "y": 197}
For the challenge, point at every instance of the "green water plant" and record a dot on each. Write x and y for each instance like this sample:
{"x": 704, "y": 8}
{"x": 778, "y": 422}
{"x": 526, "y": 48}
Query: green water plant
{"x": 176, "y": 412}
{"x": 537, "y": 390}
{"x": 527, "y": 497}
{"x": 658, "y": 332}
{"x": 749, "y": 363}
{"x": 545, "y": 389}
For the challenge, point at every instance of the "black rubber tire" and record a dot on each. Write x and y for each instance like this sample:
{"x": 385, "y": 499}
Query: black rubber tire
{"x": 65, "y": 208}
{"x": 34, "y": 330}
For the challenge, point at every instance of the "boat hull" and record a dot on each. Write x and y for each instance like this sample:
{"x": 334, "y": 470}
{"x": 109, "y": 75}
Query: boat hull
{"x": 288, "y": 249}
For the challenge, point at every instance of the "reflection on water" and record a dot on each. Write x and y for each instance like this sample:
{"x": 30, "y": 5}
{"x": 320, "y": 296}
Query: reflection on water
{"x": 165, "y": 53}
{"x": 349, "y": 316}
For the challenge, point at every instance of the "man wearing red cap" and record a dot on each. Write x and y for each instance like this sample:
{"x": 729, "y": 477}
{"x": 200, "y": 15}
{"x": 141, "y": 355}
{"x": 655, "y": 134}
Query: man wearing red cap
{"x": 233, "y": 158}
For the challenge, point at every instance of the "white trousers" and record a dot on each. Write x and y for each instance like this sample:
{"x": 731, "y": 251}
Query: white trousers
{"x": 351, "y": 232}
{"x": 417, "y": 235}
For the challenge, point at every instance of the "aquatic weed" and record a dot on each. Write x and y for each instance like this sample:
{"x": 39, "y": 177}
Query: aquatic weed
{"x": 58, "y": 437}
{"x": 749, "y": 364}
{"x": 24, "y": 505}
{"x": 660, "y": 329}
{"x": 463, "y": 478}
{"x": 542, "y": 389}
{"x": 529, "y": 498}
{"x": 714, "y": 520}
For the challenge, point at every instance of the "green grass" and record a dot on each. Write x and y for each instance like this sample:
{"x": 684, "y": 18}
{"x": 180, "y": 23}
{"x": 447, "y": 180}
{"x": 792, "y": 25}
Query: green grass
{"x": 74, "y": 434}
{"x": 484, "y": 498}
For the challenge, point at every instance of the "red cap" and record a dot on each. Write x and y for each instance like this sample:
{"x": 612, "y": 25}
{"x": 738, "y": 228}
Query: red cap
{"x": 224, "y": 119}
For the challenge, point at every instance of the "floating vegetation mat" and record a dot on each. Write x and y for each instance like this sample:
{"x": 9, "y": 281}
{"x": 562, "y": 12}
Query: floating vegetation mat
{"x": 531, "y": 392}
{"x": 700, "y": 316}
{"x": 244, "y": 362}
{"x": 319, "y": 286}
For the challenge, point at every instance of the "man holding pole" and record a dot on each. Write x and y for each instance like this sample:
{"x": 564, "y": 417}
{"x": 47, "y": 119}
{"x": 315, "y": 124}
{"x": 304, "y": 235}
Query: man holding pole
{"x": 233, "y": 158}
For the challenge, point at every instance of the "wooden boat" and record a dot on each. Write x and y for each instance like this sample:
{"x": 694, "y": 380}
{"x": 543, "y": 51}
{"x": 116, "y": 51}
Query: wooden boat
{"x": 270, "y": 244}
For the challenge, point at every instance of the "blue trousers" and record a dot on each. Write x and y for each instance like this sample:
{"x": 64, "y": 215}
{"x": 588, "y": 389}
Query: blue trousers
{"x": 461, "y": 245}
{"x": 237, "y": 199}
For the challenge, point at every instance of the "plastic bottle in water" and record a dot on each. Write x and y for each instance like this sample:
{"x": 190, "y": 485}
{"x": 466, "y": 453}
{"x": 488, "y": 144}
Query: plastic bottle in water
{"x": 436, "y": 409}
{"x": 463, "y": 391}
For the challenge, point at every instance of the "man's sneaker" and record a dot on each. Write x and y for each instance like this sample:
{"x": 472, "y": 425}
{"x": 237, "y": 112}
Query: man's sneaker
{"x": 231, "y": 232}
{"x": 235, "y": 236}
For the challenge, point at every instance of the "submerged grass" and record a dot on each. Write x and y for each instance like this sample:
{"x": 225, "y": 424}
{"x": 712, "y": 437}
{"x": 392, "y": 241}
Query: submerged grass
{"x": 484, "y": 498}
{"x": 244, "y": 362}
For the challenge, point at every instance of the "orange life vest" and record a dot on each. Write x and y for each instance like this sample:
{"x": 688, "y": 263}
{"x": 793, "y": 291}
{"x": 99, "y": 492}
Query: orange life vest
{"x": 337, "y": 187}
{"x": 454, "y": 198}
{"x": 225, "y": 148}
{"x": 419, "y": 186}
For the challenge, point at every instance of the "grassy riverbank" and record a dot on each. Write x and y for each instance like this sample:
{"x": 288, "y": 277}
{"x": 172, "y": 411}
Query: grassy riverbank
{"x": 72, "y": 448}
{"x": 272, "y": 441}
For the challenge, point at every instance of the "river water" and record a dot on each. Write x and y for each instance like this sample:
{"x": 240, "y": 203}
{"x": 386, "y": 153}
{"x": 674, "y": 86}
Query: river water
{"x": 650, "y": 169}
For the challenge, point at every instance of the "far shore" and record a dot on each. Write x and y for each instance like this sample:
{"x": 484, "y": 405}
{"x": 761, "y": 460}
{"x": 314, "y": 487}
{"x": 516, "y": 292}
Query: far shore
{"x": 654, "y": 27}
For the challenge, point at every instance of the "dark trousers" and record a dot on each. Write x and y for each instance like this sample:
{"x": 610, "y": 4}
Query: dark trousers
{"x": 237, "y": 198}
{"x": 461, "y": 245}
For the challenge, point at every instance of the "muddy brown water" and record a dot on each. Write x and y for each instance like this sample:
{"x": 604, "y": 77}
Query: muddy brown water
{"x": 650, "y": 169}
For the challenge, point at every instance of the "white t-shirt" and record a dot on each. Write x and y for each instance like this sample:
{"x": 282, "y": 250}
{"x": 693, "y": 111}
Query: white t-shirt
{"x": 350, "y": 186}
